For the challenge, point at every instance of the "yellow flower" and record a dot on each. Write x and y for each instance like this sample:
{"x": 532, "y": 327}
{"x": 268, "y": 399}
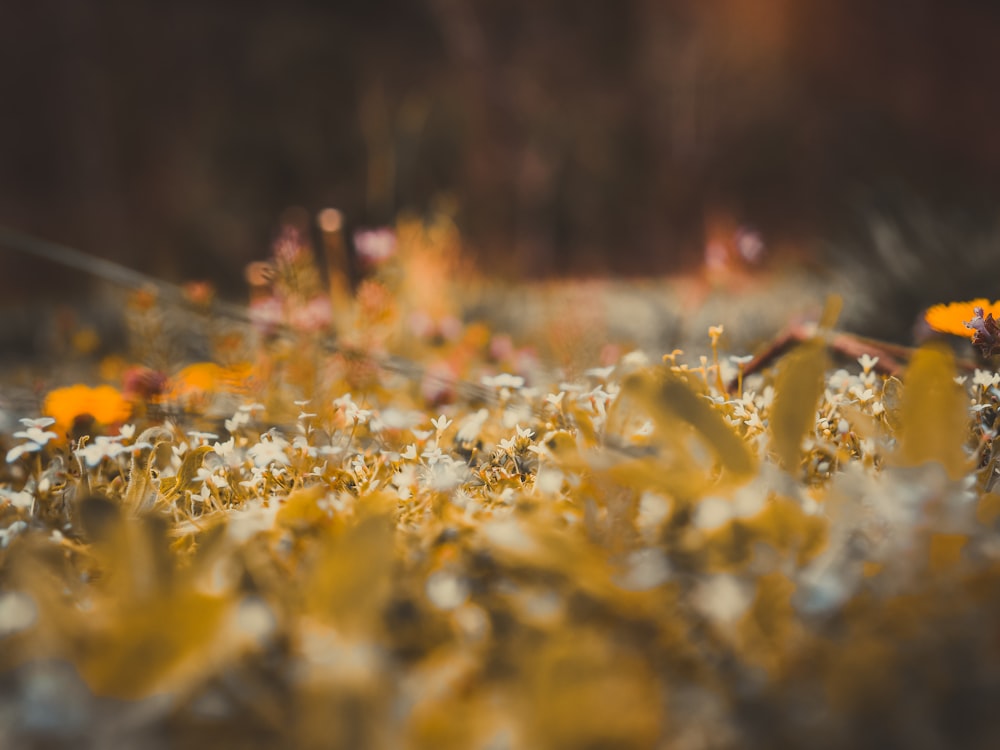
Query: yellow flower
{"x": 105, "y": 404}
{"x": 951, "y": 318}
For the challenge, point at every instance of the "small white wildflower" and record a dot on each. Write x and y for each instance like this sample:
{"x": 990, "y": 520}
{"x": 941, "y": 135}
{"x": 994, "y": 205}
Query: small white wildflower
{"x": 202, "y": 437}
{"x": 525, "y": 432}
{"x": 269, "y": 451}
{"x": 239, "y": 419}
{"x": 305, "y": 415}
{"x": 601, "y": 373}
{"x": 301, "y": 443}
{"x": 422, "y": 435}
{"x": 202, "y": 495}
{"x": 126, "y": 431}
{"x": 409, "y": 453}
{"x": 635, "y": 358}
{"x": 250, "y": 408}
{"x": 302, "y": 403}
{"x": 441, "y": 424}
{"x": 255, "y": 480}
{"x": 36, "y": 435}
{"x": 981, "y": 377}
{"x": 101, "y": 448}
{"x": 227, "y": 451}
{"x": 840, "y": 380}
{"x": 22, "y": 499}
{"x": 877, "y": 408}
{"x": 471, "y": 426}
{"x": 432, "y": 456}
{"x": 503, "y": 380}
{"x": 862, "y": 395}
{"x": 867, "y": 362}
{"x": 555, "y": 399}
{"x": 19, "y": 450}
{"x": 39, "y": 423}
{"x": 397, "y": 419}
{"x": 960, "y": 379}
{"x": 740, "y": 361}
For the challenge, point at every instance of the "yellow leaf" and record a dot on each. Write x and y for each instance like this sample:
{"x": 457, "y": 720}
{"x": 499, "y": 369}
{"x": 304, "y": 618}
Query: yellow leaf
{"x": 934, "y": 419}
{"x": 798, "y": 388}
{"x": 301, "y": 509}
{"x": 670, "y": 400}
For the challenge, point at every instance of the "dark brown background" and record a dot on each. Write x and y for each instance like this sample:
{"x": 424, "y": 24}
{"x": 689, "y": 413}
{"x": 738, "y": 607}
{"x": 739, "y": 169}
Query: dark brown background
{"x": 574, "y": 136}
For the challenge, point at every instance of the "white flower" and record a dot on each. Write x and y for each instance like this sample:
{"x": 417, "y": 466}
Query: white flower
{"x": 40, "y": 423}
{"x": 525, "y": 432}
{"x": 255, "y": 480}
{"x": 202, "y": 437}
{"x": 101, "y": 448}
{"x": 20, "y": 499}
{"x": 432, "y": 456}
{"x": 862, "y": 395}
{"x": 358, "y": 416}
{"x": 410, "y": 454}
{"x": 19, "y": 450}
{"x": 269, "y": 451}
{"x": 201, "y": 495}
{"x": 503, "y": 380}
{"x": 840, "y": 380}
{"x": 239, "y": 419}
{"x": 601, "y": 373}
{"x": 441, "y": 424}
{"x": 981, "y": 377}
{"x": 555, "y": 399}
{"x": 471, "y": 426}
{"x": 301, "y": 444}
{"x": 36, "y": 435}
{"x": 867, "y": 362}
{"x": 126, "y": 431}
{"x": 227, "y": 452}
{"x": 740, "y": 361}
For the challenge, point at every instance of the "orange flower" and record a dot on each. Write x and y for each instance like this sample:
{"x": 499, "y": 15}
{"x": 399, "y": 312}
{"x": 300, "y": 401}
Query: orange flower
{"x": 203, "y": 379}
{"x": 951, "y": 318}
{"x": 105, "y": 404}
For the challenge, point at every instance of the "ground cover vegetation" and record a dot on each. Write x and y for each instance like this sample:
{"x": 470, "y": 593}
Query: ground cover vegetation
{"x": 361, "y": 519}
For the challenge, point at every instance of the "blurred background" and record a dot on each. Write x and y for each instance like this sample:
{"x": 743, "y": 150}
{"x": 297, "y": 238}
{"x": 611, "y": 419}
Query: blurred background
{"x": 567, "y": 137}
